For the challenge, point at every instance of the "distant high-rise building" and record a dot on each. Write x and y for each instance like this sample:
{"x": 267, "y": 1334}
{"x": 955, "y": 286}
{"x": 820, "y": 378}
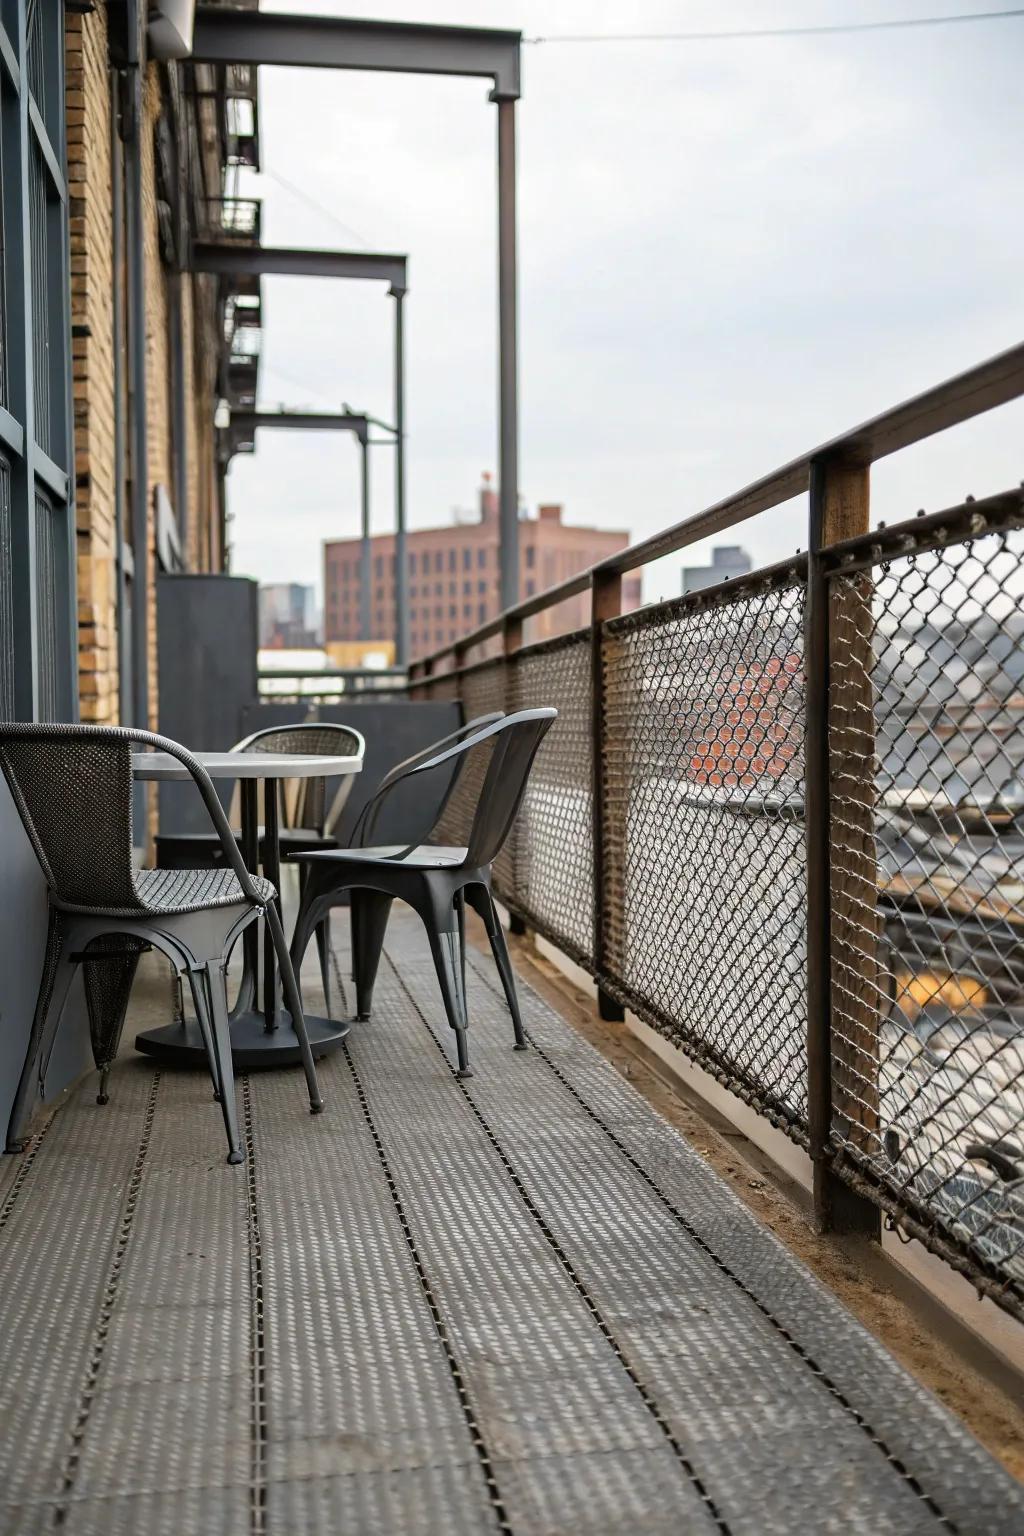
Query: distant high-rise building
{"x": 727, "y": 560}
{"x": 454, "y": 576}
{"x": 288, "y": 618}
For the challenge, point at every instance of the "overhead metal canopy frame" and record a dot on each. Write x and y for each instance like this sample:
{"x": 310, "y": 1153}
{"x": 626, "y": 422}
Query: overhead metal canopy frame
{"x": 359, "y": 426}
{"x": 226, "y": 259}
{"x": 323, "y": 42}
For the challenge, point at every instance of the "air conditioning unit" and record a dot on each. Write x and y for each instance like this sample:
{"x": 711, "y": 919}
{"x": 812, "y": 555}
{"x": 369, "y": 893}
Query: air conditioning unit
{"x": 170, "y": 28}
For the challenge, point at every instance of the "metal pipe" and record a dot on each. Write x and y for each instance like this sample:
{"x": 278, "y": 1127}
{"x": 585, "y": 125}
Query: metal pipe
{"x": 179, "y": 418}
{"x": 132, "y": 134}
{"x": 508, "y": 406}
{"x": 364, "y": 547}
{"x": 124, "y": 643}
{"x": 401, "y": 568}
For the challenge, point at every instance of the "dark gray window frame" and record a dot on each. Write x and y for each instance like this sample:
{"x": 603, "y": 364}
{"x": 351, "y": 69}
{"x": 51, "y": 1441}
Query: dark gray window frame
{"x": 38, "y": 609}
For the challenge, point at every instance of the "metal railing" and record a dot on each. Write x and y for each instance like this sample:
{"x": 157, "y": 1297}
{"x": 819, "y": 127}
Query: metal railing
{"x": 287, "y": 685}
{"x": 782, "y": 820}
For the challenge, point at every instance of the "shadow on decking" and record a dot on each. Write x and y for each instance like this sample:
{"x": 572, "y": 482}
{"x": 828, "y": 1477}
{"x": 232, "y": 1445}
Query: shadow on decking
{"x": 518, "y": 1303}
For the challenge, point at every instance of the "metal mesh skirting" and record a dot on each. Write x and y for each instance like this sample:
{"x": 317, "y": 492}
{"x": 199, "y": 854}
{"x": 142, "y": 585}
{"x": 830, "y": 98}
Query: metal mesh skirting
{"x": 926, "y": 751}
{"x": 519, "y": 1304}
{"x": 705, "y": 874}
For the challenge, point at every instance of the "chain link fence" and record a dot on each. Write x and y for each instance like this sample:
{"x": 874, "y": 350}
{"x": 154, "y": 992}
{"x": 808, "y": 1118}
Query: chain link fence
{"x": 700, "y": 924}
{"x": 926, "y": 750}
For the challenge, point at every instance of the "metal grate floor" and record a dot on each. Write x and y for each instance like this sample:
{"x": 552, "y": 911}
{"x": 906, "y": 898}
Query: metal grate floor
{"x": 517, "y": 1303}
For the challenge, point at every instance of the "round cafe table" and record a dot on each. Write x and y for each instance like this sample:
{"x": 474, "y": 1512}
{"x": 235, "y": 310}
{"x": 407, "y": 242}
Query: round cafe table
{"x": 260, "y": 1036}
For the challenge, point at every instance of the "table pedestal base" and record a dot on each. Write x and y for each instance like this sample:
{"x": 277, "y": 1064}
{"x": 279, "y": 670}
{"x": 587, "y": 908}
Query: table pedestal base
{"x": 252, "y": 1044}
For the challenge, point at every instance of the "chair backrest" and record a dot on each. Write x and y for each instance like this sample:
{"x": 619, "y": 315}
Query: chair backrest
{"x": 363, "y": 831}
{"x": 498, "y": 758}
{"x": 512, "y": 743}
{"x": 72, "y": 785}
{"x": 304, "y": 802}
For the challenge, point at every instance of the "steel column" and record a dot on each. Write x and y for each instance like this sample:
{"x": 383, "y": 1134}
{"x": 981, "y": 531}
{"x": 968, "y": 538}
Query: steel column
{"x": 401, "y": 564}
{"x": 508, "y": 392}
{"x": 132, "y": 109}
{"x": 364, "y": 547}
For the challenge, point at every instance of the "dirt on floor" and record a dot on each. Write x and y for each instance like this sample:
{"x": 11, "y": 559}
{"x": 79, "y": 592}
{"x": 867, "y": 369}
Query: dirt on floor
{"x": 853, "y": 1269}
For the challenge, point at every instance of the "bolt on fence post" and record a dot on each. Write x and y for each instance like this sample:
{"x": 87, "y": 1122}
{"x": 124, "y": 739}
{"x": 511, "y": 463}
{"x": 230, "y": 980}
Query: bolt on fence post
{"x": 511, "y": 640}
{"x": 838, "y": 509}
{"x": 605, "y": 603}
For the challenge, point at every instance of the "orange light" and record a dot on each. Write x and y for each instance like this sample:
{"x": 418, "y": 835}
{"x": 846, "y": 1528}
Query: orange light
{"x": 958, "y": 993}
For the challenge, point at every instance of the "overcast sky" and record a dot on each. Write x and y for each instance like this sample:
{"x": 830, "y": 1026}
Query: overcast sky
{"x": 729, "y": 252}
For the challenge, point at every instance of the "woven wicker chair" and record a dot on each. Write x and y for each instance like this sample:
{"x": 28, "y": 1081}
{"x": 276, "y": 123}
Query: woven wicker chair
{"x": 436, "y": 881}
{"x": 72, "y": 785}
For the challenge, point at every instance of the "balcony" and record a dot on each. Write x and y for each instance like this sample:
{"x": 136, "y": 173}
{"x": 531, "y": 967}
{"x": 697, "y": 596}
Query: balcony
{"x": 520, "y": 1302}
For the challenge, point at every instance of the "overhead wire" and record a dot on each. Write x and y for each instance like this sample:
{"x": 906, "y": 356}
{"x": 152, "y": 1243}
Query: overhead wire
{"x": 825, "y": 29}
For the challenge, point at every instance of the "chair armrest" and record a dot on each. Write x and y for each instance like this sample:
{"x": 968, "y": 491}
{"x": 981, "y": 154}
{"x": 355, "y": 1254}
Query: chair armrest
{"x": 419, "y": 761}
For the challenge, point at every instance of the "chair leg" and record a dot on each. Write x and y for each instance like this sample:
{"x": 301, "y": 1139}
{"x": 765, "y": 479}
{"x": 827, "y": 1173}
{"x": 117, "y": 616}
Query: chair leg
{"x": 460, "y": 913}
{"x": 323, "y": 944}
{"x": 479, "y": 899}
{"x": 221, "y": 1067}
{"x": 293, "y": 1003}
{"x": 201, "y": 1003}
{"x": 444, "y": 946}
{"x": 370, "y": 913}
{"x": 58, "y": 969}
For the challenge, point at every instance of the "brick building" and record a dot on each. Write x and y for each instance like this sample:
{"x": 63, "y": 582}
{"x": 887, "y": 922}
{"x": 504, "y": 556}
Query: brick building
{"x": 454, "y": 576}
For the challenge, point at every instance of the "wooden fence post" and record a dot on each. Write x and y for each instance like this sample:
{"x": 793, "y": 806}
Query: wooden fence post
{"x": 511, "y": 640}
{"x": 605, "y": 603}
{"x": 843, "y": 917}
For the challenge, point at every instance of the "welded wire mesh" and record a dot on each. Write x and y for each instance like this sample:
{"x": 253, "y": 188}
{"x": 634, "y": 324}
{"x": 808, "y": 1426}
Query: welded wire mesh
{"x": 704, "y": 892}
{"x": 550, "y": 874}
{"x": 926, "y": 746}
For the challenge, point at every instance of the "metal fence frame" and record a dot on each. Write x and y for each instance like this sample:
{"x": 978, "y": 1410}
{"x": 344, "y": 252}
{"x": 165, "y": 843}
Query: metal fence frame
{"x": 849, "y": 1195}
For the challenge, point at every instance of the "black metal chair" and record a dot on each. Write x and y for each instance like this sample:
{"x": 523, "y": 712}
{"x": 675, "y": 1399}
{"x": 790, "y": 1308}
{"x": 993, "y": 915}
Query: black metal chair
{"x": 72, "y": 785}
{"x": 308, "y": 820}
{"x": 434, "y": 880}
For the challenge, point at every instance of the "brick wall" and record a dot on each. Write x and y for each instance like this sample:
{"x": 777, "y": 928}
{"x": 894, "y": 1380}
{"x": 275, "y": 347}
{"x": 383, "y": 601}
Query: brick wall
{"x": 92, "y": 280}
{"x": 92, "y": 283}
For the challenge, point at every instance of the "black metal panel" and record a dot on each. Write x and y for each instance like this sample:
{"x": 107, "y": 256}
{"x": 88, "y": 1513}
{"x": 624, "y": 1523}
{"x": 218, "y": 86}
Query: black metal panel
{"x": 6, "y": 596}
{"x": 49, "y": 657}
{"x": 22, "y": 943}
{"x": 207, "y": 633}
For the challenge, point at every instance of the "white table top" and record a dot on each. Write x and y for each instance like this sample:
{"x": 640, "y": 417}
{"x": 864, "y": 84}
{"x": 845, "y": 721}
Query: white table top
{"x": 245, "y": 765}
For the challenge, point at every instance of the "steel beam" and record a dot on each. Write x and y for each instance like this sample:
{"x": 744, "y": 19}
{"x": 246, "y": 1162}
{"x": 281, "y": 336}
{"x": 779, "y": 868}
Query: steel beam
{"x": 302, "y": 421}
{"x": 326, "y": 42}
{"x": 226, "y": 258}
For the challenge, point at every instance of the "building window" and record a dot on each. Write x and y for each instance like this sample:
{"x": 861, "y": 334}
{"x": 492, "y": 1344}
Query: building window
{"x": 481, "y": 586}
{"x": 467, "y": 558}
{"x": 481, "y": 559}
{"x": 531, "y": 555}
{"x": 38, "y": 617}
{"x": 531, "y": 586}
{"x": 412, "y": 562}
{"x": 482, "y": 614}
{"x": 439, "y": 561}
